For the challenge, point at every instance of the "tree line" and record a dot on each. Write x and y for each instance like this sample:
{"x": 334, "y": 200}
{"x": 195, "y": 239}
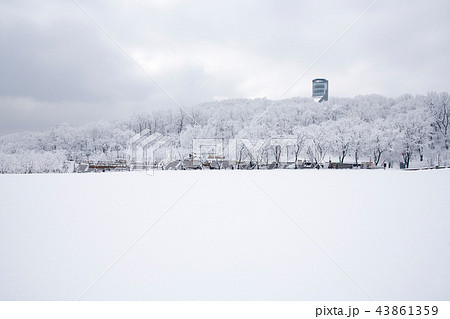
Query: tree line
{"x": 371, "y": 127}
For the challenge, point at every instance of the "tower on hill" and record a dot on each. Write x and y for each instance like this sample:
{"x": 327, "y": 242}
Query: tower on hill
{"x": 320, "y": 90}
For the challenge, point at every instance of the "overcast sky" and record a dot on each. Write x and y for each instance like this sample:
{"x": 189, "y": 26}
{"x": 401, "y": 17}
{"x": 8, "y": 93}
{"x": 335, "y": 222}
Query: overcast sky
{"x": 57, "y": 65}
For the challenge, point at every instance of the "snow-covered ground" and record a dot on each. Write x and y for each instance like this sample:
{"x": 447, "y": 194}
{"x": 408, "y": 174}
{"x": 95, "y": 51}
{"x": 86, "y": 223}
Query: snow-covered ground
{"x": 226, "y": 235}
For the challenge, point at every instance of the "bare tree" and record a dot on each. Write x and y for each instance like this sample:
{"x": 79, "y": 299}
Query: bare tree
{"x": 318, "y": 145}
{"x": 440, "y": 112}
{"x": 299, "y": 145}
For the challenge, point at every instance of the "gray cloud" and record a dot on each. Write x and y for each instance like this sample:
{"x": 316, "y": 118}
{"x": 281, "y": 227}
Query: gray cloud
{"x": 57, "y": 65}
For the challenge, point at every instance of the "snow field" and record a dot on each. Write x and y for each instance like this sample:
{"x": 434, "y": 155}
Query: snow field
{"x": 226, "y": 235}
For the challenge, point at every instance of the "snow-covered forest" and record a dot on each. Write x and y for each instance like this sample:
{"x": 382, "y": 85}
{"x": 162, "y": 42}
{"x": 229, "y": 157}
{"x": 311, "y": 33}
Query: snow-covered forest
{"x": 385, "y": 130}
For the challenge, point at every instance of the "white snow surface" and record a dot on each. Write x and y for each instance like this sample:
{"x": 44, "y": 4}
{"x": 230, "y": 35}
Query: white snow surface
{"x": 229, "y": 237}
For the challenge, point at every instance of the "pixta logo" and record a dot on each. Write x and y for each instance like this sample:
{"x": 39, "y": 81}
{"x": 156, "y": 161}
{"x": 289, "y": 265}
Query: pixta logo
{"x": 148, "y": 150}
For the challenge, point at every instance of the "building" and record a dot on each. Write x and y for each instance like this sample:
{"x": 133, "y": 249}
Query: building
{"x": 320, "y": 90}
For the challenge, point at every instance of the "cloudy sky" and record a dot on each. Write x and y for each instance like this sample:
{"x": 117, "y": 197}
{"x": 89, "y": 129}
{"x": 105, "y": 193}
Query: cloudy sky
{"x": 57, "y": 65}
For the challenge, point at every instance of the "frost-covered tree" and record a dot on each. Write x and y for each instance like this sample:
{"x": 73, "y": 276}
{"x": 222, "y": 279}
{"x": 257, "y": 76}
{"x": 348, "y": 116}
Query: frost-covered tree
{"x": 381, "y": 135}
{"x": 318, "y": 144}
{"x": 300, "y": 135}
{"x": 440, "y": 113}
